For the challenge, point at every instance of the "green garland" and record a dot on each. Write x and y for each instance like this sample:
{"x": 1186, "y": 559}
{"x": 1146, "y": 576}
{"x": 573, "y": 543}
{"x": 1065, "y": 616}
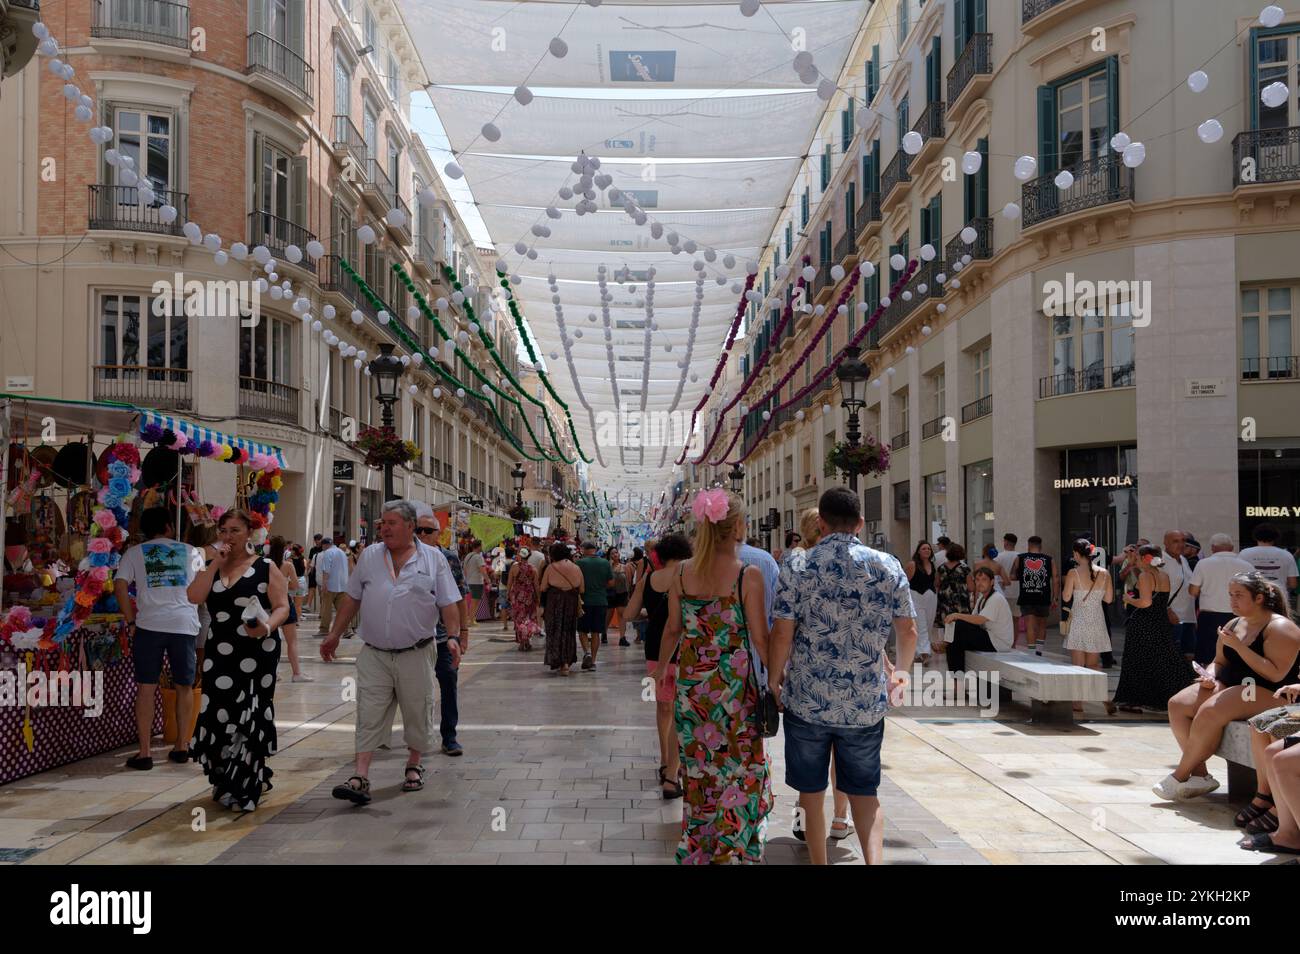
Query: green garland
{"x": 436, "y": 368}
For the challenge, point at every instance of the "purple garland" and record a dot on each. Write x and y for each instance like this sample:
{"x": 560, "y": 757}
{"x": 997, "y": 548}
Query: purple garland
{"x": 758, "y": 367}
{"x": 722, "y": 361}
{"x": 821, "y": 375}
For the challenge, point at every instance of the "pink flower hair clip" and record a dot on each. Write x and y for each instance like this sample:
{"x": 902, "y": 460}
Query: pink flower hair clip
{"x": 711, "y": 505}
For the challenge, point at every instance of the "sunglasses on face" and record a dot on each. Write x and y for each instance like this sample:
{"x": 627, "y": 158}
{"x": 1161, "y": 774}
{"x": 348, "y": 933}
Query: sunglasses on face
{"x": 425, "y": 531}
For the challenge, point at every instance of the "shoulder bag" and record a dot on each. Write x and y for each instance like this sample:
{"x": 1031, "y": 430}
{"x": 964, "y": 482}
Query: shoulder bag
{"x": 767, "y": 717}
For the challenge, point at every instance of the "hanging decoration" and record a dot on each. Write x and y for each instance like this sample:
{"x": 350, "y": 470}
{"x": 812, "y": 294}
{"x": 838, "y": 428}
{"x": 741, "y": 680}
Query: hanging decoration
{"x": 867, "y": 459}
{"x": 382, "y": 445}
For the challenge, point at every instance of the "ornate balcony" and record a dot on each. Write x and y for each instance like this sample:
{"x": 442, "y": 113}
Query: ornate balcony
{"x": 377, "y": 189}
{"x": 1039, "y": 16}
{"x": 262, "y": 400}
{"x": 846, "y": 249}
{"x": 142, "y": 21}
{"x": 868, "y": 215}
{"x": 970, "y": 75}
{"x": 980, "y": 249}
{"x": 349, "y": 149}
{"x": 118, "y": 208}
{"x": 426, "y": 261}
{"x": 932, "y": 428}
{"x": 1097, "y": 182}
{"x": 900, "y": 440}
{"x": 1089, "y": 379}
{"x": 162, "y": 389}
{"x": 895, "y": 174}
{"x": 278, "y": 234}
{"x": 401, "y": 233}
{"x": 280, "y": 72}
{"x": 930, "y": 126}
{"x": 1272, "y": 368}
{"x": 1261, "y": 156}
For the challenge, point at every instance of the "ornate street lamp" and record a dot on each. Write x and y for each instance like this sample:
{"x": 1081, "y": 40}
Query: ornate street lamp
{"x": 853, "y": 375}
{"x": 386, "y": 369}
{"x": 559, "y": 514}
{"x": 519, "y": 474}
{"x": 737, "y": 476}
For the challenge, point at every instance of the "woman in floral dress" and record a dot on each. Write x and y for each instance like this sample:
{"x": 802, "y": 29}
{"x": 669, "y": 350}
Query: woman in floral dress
{"x": 728, "y": 785}
{"x": 522, "y": 590}
{"x": 954, "y": 584}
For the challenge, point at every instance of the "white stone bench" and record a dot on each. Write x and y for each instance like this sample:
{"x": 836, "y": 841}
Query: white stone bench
{"x": 1051, "y": 687}
{"x": 1235, "y": 750}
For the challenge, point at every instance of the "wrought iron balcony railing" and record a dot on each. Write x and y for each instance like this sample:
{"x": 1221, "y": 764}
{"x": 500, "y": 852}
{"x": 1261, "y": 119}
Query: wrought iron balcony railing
{"x": 900, "y": 440}
{"x": 1032, "y": 8}
{"x": 981, "y": 407}
{"x": 163, "y": 389}
{"x": 975, "y": 60}
{"x": 1089, "y": 379}
{"x": 895, "y": 173}
{"x": 1097, "y": 182}
{"x": 267, "y": 400}
{"x": 378, "y": 180}
{"x": 267, "y": 55}
{"x": 931, "y": 428}
{"x": 278, "y": 234}
{"x": 1271, "y": 368}
{"x": 868, "y": 211}
{"x": 981, "y": 248}
{"x": 1266, "y": 155}
{"x": 930, "y": 123}
{"x": 847, "y": 245}
{"x": 119, "y": 208}
{"x": 348, "y": 141}
{"x": 147, "y": 21}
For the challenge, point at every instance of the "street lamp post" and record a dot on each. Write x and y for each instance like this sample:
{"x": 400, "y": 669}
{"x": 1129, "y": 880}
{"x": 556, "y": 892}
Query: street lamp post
{"x": 386, "y": 369}
{"x": 559, "y": 515}
{"x": 737, "y": 476}
{"x": 853, "y": 375}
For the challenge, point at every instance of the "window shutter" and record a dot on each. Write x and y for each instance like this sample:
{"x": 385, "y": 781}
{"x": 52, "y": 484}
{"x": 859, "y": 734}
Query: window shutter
{"x": 981, "y": 17}
{"x": 934, "y": 64}
{"x": 1046, "y": 130}
{"x": 875, "y": 166}
{"x": 296, "y": 29}
{"x": 1252, "y": 92}
{"x": 298, "y": 201}
{"x": 1112, "y": 96}
{"x": 958, "y": 28}
{"x": 936, "y": 222}
{"x": 257, "y": 16}
{"x": 257, "y": 205}
{"x": 982, "y": 206}
{"x": 850, "y": 207}
{"x": 875, "y": 72}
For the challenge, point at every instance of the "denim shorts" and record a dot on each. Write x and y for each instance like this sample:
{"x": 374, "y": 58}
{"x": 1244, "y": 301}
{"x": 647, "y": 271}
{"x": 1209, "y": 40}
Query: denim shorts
{"x": 147, "y": 649}
{"x": 808, "y": 751}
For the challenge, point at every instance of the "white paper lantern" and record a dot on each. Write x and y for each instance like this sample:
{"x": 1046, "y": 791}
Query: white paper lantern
{"x": 460, "y": 392}
{"x": 885, "y": 301}
{"x": 927, "y": 252}
{"x": 826, "y": 409}
{"x": 261, "y": 285}
{"x": 365, "y": 235}
{"x": 1271, "y": 15}
{"x": 491, "y": 132}
{"x": 941, "y": 308}
{"x": 167, "y": 215}
{"x": 437, "y": 393}
{"x": 1210, "y": 131}
{"x": 867, "y": 269}
{"x": 922, "y": 288}
{"x": 462, "y": 337}
{"x": 1025, "y": 167}
{"x": 969, "y": 235}
{"x": 523, "y": 95}
{"x": 837, "y": 272}
{"x": 406, "y": 360}
{"x": 965, "y": 259}
{"x": 1274, "y": 94}
{"x": 912, "y": 143}
{"x": 897, "y": 262}
{"x": 1011, "y": 211}
{"x": 83, "y": 114}
{"x": 220, "y": 258}
{"x": 748, "y": 7}
{"x": 328, "y": 312}
{"x": 383, "y": 317}
{"x": 925, "y": 329}
{"x": 1064, "y": 179}
{"x": 396, "y": 218}
{"x": 940, "y": 278}
{"x": 1134, "y": 154}
{"x": 559, "y": 49}
{"x": 40, "y": 30}
{"x": 128, "y": 178}
{"x": 955, "y": 283}
{"x": 358, "y": 363}
{"x": 1198, "y": 81}
{"x": 826, "y": 90}
{"x": 971, "y": 162}
{"x": 453, "y": 170}
{"x": 808, "y": 273}
{"x": 1119, "y": 142}
{"x": 356, "y": 316}
{"x": 413, "y": 313}
{"x": 907, "y": 296}
{"x": 316, "y": 325}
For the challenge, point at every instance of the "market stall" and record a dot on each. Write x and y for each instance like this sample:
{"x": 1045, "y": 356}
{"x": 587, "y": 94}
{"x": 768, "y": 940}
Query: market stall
{"x": 76, "y": 482}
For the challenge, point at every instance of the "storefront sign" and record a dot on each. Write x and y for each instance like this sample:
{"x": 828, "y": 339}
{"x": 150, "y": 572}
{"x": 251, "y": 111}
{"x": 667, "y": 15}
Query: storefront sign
{"x": 1273, "y": 511}
{"x": 345, "y": 470}
{"x": 15, "y": 383}
{"x": 1082, "y": 483}
{"x": 1206, "y": 387}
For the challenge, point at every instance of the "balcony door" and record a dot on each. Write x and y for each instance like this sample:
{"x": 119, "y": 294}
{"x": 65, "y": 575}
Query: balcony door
{"x": 280, "y": 191}
{"x": 282, "y": 21}
{"x": 143, "y": 350}
{"x": 148, "y": 137}
{"x": 1277, "y": 59}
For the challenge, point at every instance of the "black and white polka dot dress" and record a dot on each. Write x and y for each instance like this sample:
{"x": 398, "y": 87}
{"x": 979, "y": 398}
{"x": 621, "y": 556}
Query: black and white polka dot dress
{"x": 235, "y": 732}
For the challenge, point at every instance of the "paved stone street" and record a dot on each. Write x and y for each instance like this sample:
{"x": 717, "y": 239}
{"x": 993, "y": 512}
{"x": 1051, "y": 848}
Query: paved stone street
{"x": 562, "y": 771}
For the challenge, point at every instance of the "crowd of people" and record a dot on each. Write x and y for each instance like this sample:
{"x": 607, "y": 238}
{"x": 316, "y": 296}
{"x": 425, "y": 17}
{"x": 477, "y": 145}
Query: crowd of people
{"x": 731, "y": 637}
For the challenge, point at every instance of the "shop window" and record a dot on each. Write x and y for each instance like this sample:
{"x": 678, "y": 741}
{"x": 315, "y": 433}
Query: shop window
{"x": 903, "y": 501}
{"x": 936, "y": 505}
{"x": 979, "y": 506}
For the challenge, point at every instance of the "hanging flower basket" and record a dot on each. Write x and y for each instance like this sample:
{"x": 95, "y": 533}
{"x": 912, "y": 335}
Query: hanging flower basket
{"x": 381, "y": 445}
{"x": 520, "y": 514}
{"x": 560, "y": 533}
{"x": 868, "y": 459}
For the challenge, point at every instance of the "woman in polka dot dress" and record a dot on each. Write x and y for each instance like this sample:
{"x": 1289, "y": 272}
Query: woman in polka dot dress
{"x": 235, "y": 733}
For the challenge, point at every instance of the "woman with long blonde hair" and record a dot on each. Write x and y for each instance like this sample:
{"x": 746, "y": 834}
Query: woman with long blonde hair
{"x": 717, "y": 613}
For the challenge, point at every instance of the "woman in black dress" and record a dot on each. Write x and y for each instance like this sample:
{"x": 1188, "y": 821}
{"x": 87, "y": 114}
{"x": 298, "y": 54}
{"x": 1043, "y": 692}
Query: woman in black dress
{"x": 1152, "y": 669}
{"x": 562, "y": 586}
{"x": 235, "y": 734}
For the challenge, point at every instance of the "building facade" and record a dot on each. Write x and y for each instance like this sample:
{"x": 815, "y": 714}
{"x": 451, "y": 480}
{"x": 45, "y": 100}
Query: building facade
{"x": 283, "y": 128}
{"x": 1013, "y": 401}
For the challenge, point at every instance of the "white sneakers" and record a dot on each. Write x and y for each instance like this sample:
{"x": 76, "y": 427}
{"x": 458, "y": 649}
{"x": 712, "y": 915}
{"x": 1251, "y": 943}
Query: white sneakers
{"x": 1170, "y": 789}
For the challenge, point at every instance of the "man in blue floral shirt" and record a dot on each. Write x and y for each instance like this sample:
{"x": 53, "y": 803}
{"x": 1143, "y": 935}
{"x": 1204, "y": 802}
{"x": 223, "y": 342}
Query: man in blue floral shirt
{"x": 834, "y": 616}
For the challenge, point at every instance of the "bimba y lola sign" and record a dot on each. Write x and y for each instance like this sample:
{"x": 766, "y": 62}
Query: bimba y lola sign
{"x": 1086, "y": 483}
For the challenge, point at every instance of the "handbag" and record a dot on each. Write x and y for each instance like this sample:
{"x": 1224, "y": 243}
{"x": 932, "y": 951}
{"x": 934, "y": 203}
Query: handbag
{"x": 767, "y": 717}
{"x": 1169, "y": 607}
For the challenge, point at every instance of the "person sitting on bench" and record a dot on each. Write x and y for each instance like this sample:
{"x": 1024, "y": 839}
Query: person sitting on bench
{"x": 989, "y": 629}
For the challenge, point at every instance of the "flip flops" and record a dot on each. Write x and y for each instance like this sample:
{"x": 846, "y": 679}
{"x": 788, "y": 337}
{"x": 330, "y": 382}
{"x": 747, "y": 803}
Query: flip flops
{"x": 1264, "y": 842}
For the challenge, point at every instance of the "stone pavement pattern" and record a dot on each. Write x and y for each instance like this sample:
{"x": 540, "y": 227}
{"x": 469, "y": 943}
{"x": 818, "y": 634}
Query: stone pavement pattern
{"x": 563, "y": 771}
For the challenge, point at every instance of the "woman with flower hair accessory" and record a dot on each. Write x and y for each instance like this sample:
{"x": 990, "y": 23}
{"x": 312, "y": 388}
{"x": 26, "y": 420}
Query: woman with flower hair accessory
{"x": 717, "y": 614}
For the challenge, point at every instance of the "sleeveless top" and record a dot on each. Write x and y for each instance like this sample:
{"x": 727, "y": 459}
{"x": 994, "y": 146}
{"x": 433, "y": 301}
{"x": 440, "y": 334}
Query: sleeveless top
{"x": 1237, "y": 671}
{"x": 656, "y": 607}
{"x": 920, "y": 581}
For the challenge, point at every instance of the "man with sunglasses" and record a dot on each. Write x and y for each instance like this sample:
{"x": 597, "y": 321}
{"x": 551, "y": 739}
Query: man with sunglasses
{"x": 427, "y": 530}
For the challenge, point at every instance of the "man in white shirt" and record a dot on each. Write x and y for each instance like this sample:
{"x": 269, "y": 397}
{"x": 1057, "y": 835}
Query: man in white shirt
{"x": 536, "y": 558}
{"x": 164, "y": 620}
{"x": 331, "y": 581}
{"x": 1006, "y": 559}
{"x": 1181, "y": 600}
{"x": 473, "y": 565}
{"x": 1271, "y": 560}
{"x": 402, "y": 588}
{"x": 1209, "y": 584}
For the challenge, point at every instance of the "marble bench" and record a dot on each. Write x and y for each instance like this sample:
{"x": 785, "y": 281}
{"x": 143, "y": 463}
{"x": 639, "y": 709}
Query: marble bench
{"x": 1051, "y": 687}
{"x": 1235, "y": 750}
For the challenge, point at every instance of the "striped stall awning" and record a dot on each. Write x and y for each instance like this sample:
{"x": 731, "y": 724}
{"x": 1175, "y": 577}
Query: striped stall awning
{"x": 200, "y": 433}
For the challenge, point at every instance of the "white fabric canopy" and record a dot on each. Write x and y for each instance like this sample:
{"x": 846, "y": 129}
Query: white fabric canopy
{"x": 585, "y": 296}
{"x": 513, "y": 180}
{"x": 580, "y": 265}
{"x": 616, "y": 233}
{"x": 638, "y": 45}
{"x": 709, "y": 126}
